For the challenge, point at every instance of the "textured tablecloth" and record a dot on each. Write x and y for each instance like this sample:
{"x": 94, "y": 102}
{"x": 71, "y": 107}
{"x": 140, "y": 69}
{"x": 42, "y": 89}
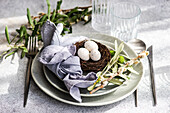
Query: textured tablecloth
{"x": 154, "y": 29}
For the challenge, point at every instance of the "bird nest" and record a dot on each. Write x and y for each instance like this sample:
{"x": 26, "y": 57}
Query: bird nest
{"x": 91, "y": 65}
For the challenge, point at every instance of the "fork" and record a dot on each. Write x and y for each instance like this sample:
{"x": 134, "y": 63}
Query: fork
{"x": 32, "y": 51}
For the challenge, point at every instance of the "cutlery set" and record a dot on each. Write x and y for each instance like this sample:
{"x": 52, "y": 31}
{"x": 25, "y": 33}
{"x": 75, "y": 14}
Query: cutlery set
{"x": 138, "y": 46}
{"x": 32, "y": 47}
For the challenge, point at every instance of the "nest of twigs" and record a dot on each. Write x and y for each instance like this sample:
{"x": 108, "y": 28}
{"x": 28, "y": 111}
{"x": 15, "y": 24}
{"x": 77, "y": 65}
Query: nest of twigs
{"x": 91, "y": 65}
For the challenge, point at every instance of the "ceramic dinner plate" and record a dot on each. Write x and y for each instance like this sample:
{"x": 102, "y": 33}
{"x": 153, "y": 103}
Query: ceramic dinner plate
{"x": 122, "y": 92}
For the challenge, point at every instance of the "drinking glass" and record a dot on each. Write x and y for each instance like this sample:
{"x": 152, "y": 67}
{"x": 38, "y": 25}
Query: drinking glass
{"x": 124, "y": 19}
{"x": 101, "y": 15}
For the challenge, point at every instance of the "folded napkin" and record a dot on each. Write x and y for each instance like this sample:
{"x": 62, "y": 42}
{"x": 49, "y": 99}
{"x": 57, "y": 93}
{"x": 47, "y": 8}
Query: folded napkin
{"x": 58, "y": 56}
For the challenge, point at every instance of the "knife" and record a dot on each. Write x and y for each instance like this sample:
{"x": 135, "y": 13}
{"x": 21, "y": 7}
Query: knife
{"x": 150, "y": 59}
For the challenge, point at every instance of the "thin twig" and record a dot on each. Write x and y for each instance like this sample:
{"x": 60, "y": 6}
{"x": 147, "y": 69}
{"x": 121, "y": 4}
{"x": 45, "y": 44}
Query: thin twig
{"x": 61, "y": 10}
{"x": 100, "y": 87}
{"x": 121, "y": 70}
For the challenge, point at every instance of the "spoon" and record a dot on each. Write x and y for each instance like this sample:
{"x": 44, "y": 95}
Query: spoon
{"x": 138, "y": 46}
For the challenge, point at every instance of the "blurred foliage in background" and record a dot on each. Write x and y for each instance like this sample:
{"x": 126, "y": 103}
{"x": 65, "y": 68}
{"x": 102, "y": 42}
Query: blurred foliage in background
{"x": 67, "y": 17}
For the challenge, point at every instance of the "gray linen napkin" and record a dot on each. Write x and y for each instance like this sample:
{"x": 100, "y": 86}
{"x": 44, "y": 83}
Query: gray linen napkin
{"x": 58, "y": 56}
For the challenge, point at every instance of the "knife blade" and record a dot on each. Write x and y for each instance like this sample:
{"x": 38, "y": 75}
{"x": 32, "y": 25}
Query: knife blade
{"x": 150, "y": 59}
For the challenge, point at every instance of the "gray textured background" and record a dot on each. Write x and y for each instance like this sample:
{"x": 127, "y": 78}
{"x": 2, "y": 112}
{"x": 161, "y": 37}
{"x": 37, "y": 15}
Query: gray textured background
{"x": 154, "y": 29}
{"x": 10, "y": 8}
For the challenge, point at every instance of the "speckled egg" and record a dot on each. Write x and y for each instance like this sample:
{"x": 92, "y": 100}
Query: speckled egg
{"x": 95, "y": 55}
{"x": 83, "y": 53}
{"x": 90, "y": 45}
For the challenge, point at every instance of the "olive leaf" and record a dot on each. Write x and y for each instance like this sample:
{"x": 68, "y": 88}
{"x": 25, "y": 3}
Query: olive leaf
{"x": 23, "y": 54}
{"x": 59, "y": 5}
{"x": 116, "y": 81}
{"x": 67, "y": 17}
{"x": 7, "y": 34}
{"x": 53, "y": 15}
{"x": 49, "y": 8}
{"x": 11, "y": 53}
{"x": 42, "y": 20}
{"x": 29, "y": 18}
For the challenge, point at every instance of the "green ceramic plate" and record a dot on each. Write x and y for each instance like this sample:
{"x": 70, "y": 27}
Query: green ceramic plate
{"x": 122, "y": 92}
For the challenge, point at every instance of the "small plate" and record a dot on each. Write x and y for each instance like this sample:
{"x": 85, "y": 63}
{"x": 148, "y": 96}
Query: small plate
{"x": 59, "y": 84}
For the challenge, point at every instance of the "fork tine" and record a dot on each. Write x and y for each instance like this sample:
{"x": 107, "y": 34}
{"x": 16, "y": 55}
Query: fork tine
{"x": 28, "y": 45}
{"x": 32, "y": 44}
{"x": 35, "y": 44}
{"x": 36, "y": 47}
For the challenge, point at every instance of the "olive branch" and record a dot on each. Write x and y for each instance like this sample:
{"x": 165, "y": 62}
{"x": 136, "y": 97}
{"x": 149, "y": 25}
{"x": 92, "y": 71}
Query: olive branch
{"x": 67, "y": 17}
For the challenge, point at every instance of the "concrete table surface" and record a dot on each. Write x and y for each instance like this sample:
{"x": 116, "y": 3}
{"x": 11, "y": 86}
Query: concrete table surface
{"x": 154, "y": 29}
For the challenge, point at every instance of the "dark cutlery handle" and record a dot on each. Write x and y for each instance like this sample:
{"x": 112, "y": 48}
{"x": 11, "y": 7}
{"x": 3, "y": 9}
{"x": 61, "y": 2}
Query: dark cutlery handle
{"x": 136, "y": 98}
{"x": 152, "y": 82}
{"x": 27, "y": 81}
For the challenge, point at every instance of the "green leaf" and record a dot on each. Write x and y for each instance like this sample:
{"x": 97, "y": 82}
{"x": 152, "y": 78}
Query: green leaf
{"x": 87, "y": 21}
{"x": 120, "y": 48}
{"x": 59, "y": 5}
{"x": 115, "y": 68}
{"x": 132, "y": 70}
{"x": 117, "y": 52}
{"x": 35, "y": 22}
{"x": 24, "y": 49}
{"x": 121, "y": 59}
{"x": 22, "y": 31}
{"x": 61, "y": 16}
{"x": 74, "y": 18}
{"x": 7, "y": 34}
{"x": 25, "y": 31}
{"x": 34, "y": 32}
{"x": 90, "y": 88}
{"x": 126, "y": 57}
{"x": 39, "y": 38}
{"x": 123, "y": 76}
{"x": 70, "y": 31}
{"x": 116, "y": 81}
{"x": 49, "y": 9}
{"x": 53, "y": 15}
{"x": 29, "y": 18}
{"x": 85, "y": 11}
{"x": 89, "y": 13}
{"x": 42, "y": 20}
{"x": 19, "y": 40}
{"x": 112, "y": 52}
{"x": 75, "y": 10}
{"x": 18, "y": 31}
{"x": 22, "y": 54}
{"x": 26, "y": 40}
{"x": 14, "y": 38}
{"x": 11, "y": 53}
{"x": 65, "y": 29}
{"x": 5, "y": 52}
